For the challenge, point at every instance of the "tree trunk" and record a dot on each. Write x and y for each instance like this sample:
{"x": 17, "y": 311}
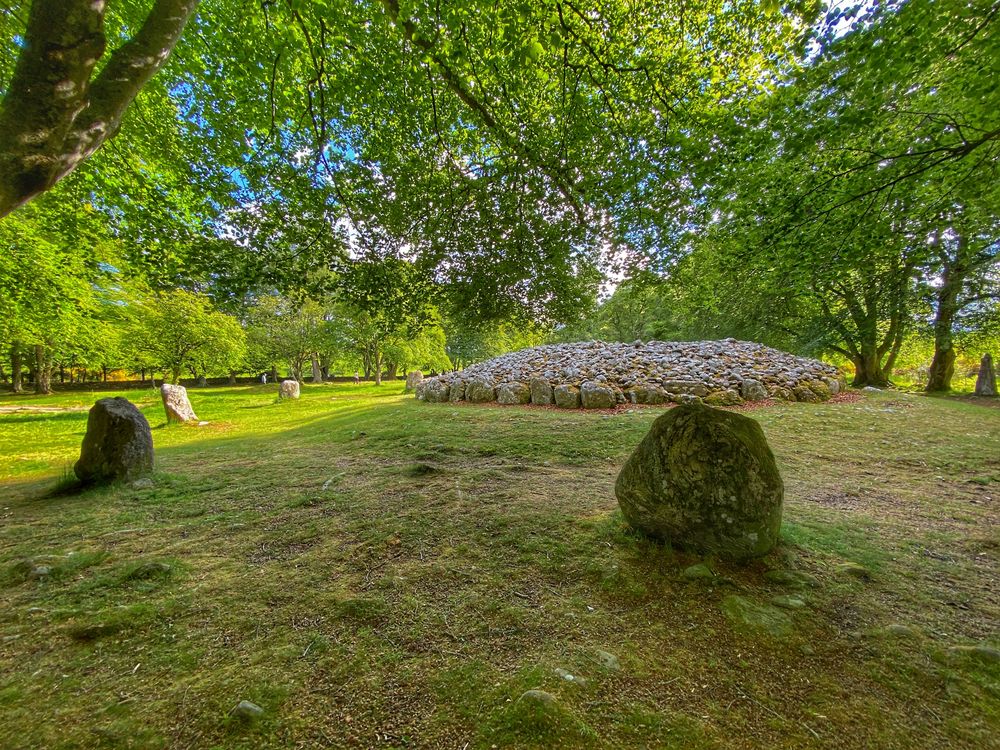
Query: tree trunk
{"x": 390, "y": 370}
{"x": 175, "y": 375}
{"x": 317, "y": 372}
{"x": 943, "y": 365}
{"x": 232, "y": 378}
{"x": 55, "y": 113}
{"x": 104, "y": 374}
{"x": 868, "y": 370}
{"x": 378, "y": 367}
{"x": 16, "y": 374}
{"x": 43, "y": 370}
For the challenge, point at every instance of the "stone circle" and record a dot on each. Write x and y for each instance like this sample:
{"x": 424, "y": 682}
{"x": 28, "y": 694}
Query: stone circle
{"x": 601, "y": 375}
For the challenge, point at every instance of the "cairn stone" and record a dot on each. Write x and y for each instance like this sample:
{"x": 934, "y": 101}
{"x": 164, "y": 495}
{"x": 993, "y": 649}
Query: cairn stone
{"x": 566, "y": 396}
{"x": 412, "y": 379}
{"x": 456, "y": 391}
{"x": 986, "y": 381}
{"x": 288, "y": 389}
{"x": 436, "y": 391}
{"x": 541, "y": 392}
{"x": 118, "y": 445}
{"x": 596, "y": 396}
{"x": 753, "y": 390}
{"x": 513, "y": 393}
{"x": 480, "y": 391}
{"x": 176, "y": 403}
{"x": 704, "y": 480}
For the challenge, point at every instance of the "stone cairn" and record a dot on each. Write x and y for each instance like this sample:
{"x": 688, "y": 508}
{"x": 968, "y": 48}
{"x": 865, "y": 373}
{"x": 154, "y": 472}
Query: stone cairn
{"x": 599, "y": 375}
{"x": 288, "y": 389}
{"x": 176, "y": 403}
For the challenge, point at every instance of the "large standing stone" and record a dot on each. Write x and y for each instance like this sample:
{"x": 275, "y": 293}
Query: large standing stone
{"x": 596, "y": 396}
{"x": 288, "y": 389}
{"x": 118, "y": 444}
{"x": 566, "y": 396}
{"x": 541, "y": 391}
{"x": 176, "y": 404}
{"x": 436, "y": 390}
{"x": 986, "y": 382}
{"x": 513, "y": 393}
{"x": 480, "y": 391}
{"x": 704, "y": 480}
{"x": 412, "y": 379}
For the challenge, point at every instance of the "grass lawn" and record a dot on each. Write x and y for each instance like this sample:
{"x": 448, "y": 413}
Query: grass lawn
{"x": 377, "y": 572}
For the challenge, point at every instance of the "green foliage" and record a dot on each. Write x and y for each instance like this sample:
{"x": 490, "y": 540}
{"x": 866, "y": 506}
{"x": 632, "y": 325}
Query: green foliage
{"x": 177, "y": 331}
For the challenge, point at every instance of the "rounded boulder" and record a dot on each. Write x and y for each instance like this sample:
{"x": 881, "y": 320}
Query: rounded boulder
{"x": 705, "y": 481}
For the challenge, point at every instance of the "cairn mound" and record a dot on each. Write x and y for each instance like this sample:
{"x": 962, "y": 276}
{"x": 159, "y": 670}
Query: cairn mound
{"x": 600, "y": 375}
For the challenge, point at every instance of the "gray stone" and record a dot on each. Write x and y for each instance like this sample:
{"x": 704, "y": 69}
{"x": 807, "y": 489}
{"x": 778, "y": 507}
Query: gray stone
{"x": 248, "y": 710}
{"x": 787, "y": 602}
{"x": 39, "y": 571}
{"x": 538, "y": 698}
{"x": 724, "y": 397}
{"x": 413, "y": 378}
{"x": 568, "y": 676}
{"x": 436, "y": 390}
{"x": 986, "y": 381}
{"x": 704, "y": 480}
{"x": 753, "y": 390}
{"x": 456, "y": 391}
{"x": 288, "y": 389}
{"x": 855, "y": 570}
{"x": 596, "y": 396}
{"x": 806, "y": 394}
{"x": 541, "y": 392}
{"x": 176, "y": 403}
{"x": 757, "y": 618}
{"x": 118, "y": 445}
{"x": 513, "y": 393}
{"x": 145, "y": 483}
{"x": 648, "y": 393}
{"x": 607, "y": 660}
{"x": 566, "y": 396}
{"x": 697, "y": 572}
{"x": 480, "y": 391}
{"x": 833, "y": 385}
{"x": 686, "y": 388}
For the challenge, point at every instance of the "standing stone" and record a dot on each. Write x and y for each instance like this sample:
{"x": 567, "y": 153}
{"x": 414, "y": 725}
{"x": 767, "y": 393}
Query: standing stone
{"x": 288, "y": 389}
{"x": 986, "y": 382}
{"x": 566, "y": 396}
{"x": 704, "y": 480}
{"x": 412, "y": 379}
{"x": 176, "y": 404}
{"x": 513, "y": 393}
{"x": 118, "y": 444}
{"x": 596, "y": 396}
{"x": 480, "y": 391}
{"x": 541, "y": 392}
{"x": 457, "y": 390}
{"x": 648, "y": 393}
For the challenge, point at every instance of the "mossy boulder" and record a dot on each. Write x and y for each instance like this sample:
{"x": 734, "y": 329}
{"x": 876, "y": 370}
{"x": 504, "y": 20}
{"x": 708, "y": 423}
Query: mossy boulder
{"x": 704, "y": 480}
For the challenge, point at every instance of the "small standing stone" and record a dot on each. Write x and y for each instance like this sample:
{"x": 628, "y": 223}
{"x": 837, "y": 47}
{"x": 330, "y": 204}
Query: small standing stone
{"x": 753, "y": 390}
{"x": 288, "y": 389}
{"x": 176, "y": 403}
{"x": 597, "y": 396}
{"x": 567, "y": 396}
{"x": 118, "y": 444}
{"x": 412, "y": 379}
{"x": 541, "y": 391}
{"x": 986, "y": 382}
{"x": 435, "y": 390}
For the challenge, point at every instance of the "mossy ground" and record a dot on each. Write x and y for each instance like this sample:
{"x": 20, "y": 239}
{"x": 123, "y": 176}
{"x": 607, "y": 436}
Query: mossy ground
{"x": 378, "y": 572}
